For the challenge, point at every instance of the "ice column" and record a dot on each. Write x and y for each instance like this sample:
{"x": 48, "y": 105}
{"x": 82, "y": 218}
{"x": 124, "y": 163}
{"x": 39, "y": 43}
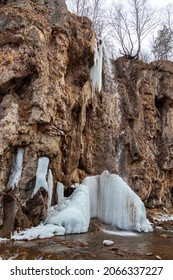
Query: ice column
{"x": 41, "y": 173}
{"x": 16, "y": 170}
{"x": 50, "y": 188}
{"x": 60, "y": 192}
{"x": 96, "y": 70}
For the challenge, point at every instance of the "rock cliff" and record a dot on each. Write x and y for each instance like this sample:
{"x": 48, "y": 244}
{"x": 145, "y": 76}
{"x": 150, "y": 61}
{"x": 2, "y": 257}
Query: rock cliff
{"x": 48, "y": 109}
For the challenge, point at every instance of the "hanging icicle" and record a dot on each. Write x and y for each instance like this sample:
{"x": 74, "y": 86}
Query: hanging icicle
{"x": 16, "y": 170}
{"x": 96, "y": 70}
{"x": 41, "y": 174}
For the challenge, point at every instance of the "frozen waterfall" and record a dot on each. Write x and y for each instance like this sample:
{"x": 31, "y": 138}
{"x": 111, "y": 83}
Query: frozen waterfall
{"x": 96, "y": 70}
{"x": 106, "y": 197}
{"x": 41, "y": 174}
{"x": 114, "y": 202}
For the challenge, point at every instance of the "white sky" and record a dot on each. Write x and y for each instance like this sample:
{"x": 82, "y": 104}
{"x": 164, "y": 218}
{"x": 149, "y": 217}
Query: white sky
{"x": 154, "y": 3}
{"x": 159, "y": 3}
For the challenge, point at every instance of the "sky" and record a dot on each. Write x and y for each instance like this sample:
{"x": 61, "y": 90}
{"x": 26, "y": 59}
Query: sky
{"x": 159, "y": 3}
{"x": 154, "y": 3}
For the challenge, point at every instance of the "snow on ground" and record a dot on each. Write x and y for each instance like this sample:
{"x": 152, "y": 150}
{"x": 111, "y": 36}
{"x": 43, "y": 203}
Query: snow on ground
{"x": 41, "y": 231}
{"x": 3, "y": 239}
{"x": 160, "y": 217}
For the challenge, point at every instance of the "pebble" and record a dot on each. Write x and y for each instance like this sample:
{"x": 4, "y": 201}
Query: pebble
{"x": 114, "y": 249}
{"x": 164, "y": 235}
{"x": 148, "y": 254}
{"x": 158, "y": 257}
{"x": 108, "y": 242}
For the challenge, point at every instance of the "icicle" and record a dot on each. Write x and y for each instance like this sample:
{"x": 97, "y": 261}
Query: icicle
{"x": 96, "y": 70}
{"x": 16, "y": 170}
{"x": 93, "y": 194}
{"x": 60, "y": 192}
{"x": 41, "y": 173}
{"x": 50, "y": 188}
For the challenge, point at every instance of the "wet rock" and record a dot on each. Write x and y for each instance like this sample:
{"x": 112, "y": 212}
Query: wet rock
{"x": 158, "y": 257}
{"x": 149, "y": 254}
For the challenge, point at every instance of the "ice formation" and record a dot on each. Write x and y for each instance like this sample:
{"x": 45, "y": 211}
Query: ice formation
{"x": 41, "y": 173}
{"x": 106, "y": 197}
{"x": 41, "y": 231}
{"x": 60, "y": 192}
{"x": 114, "y": 202}
{"x": 16, "y": 170}
{"x": 50, "y": 188}
{"x": 96, "y": 70}
{"x": 75, "y": 217}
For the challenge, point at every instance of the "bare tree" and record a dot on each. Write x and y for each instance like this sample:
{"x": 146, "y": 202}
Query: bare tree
{"x": 95, "y": 10}
{"x": 131, "y": 24}
{"x": 167, "y": 16}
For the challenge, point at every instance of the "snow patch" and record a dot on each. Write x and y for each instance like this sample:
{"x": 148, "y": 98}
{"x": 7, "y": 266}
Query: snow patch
{"x": 16, "y": 170}
{"x": 108, "y": 242}
{"x": 41, "y": 231}
{"x": 160, "y": 217}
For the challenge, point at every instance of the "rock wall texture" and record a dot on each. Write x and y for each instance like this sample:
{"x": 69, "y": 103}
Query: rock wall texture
{"x": 48, "y": 109}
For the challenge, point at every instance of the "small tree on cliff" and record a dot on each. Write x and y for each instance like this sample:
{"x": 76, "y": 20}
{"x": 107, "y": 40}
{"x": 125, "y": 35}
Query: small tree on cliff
{"x": 131, "y": 24}
{"x": 95, "y": 10}
{"x": 163, "y": 44}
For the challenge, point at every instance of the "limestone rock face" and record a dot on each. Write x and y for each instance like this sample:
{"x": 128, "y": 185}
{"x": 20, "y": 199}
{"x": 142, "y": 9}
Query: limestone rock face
{"x": 146, "y": 159}
{"x": 48, "y": 109}
{"x": 46, "y": 106}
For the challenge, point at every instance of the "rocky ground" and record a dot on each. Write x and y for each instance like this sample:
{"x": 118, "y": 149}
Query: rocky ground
{"x": 90, "y": 246}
